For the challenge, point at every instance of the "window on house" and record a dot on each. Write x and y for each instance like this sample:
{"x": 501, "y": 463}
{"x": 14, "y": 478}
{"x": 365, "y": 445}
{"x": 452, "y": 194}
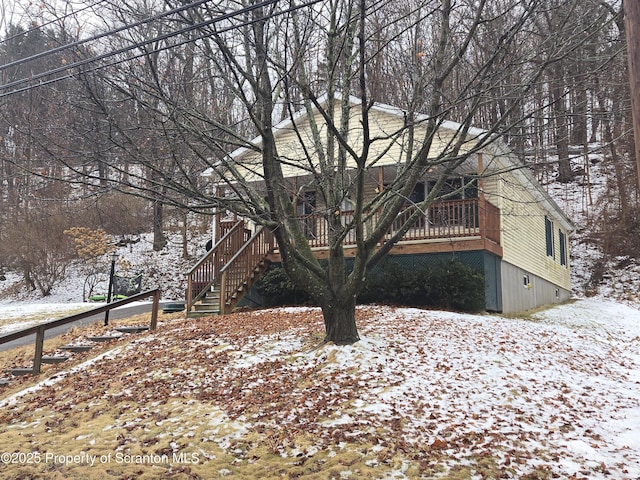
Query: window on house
{"x": 457, "y": 188}
{"x": 470, "y": 187}
{"x": 417, "y": 195}
{"x": 452, "y": 188}
{"x": 306, "y": 204}
{"x": 562, "y": 238}
{"x": 548, "y": 225}
{"x": 526, "y": 281}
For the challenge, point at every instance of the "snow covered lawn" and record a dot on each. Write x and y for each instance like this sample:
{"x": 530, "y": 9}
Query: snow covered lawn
{"x": 424, "y": 394}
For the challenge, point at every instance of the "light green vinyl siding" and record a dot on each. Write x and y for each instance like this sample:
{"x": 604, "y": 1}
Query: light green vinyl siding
{"x": 390, "y": 145}
{"x": 523, "y": 233}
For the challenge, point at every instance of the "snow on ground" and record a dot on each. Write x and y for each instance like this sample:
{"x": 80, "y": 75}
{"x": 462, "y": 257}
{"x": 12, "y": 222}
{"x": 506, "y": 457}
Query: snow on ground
{"x": 165, "y": 269}
{"x": 564, "y": 386}
{"x": 556, "y": 394}
{"x": 17, "y": 316}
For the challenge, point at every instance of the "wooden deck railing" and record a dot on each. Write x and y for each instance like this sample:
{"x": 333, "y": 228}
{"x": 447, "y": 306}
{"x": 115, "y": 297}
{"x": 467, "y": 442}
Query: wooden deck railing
{"x": 444, "y": 219}
{"x": 201, "y": 277}
{"x": 233, "y": 260}
{"x": 240, "y": 271}
{"x": 40, "y": 329}
{"x": 492, "y": 226}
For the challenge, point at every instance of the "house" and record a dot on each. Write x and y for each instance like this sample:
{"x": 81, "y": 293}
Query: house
{"x": 491, "y": 213}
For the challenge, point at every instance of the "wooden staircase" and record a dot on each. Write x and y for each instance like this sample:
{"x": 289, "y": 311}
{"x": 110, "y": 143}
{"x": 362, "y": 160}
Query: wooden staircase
{"x": 221, "y": 279}
{"x": 208, "y": 305}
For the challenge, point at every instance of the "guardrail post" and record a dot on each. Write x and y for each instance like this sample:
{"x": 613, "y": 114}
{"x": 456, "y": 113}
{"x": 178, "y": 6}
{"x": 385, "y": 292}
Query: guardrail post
{"x": 37, "y": 357}
{"x": 154, "y": 310}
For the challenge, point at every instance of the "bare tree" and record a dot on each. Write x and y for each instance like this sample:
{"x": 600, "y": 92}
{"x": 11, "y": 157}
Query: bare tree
{"x": 280, "y": 63}
{"x": 251, "y": 64}
{"x": 632, "y": 13}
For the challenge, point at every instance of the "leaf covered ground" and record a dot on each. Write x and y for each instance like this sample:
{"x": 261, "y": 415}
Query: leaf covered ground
{"x": 424, "y": 394}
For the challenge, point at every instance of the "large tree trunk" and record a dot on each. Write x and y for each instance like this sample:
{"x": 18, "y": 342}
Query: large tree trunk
{"x": 561, "y": 130}
{"x": 159, "y": 240}
{"x": 340, "y": 321}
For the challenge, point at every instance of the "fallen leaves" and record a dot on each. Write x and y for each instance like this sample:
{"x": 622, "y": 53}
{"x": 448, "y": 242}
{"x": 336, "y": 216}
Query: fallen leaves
{"x": 252, "y": 392}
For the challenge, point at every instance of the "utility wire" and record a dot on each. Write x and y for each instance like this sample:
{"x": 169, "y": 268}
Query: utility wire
{"x": 95, "y": 59}
{"x": 102, "y": 35}
{"x": 166, "y": 36}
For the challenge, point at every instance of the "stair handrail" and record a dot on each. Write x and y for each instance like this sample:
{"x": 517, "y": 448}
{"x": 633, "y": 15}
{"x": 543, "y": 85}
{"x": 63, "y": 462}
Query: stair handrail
{"x": 230, "y": 284}
{"x": 209, "y": 260}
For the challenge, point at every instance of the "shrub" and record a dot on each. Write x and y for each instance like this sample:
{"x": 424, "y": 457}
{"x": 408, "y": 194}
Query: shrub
{"x": 455, "y": 285}
{"x": 90, "y": 244}
{"x": 37, "y": 246}
{"x": 449, "y": 284}
{"x": 277, "y": 289}
{"x": 392, "y": 284}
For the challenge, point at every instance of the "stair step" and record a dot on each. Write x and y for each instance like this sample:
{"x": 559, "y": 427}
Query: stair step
{"x": 205, "y": 313}
{"x": 20, "y": 371}
{"x": 207, "y": 306}
{"x": 4, "y": 382}
{"x": 202, "y": 313}
{"x": 209, "y": 301}
{"x": 103, "y": 338}
{"x": 134, "y": 329}
{"x": 77, "y": 348}
{"x": 51, "y": 359}
{"x": 210, "y": 297}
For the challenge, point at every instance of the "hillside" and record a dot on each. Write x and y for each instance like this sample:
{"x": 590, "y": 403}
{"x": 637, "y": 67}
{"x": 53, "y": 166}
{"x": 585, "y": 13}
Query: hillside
{"x": 424, "y": 394}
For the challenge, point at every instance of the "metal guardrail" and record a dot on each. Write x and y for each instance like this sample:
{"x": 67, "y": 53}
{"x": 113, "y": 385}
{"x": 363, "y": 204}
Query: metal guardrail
{"x": 40, "y": 330}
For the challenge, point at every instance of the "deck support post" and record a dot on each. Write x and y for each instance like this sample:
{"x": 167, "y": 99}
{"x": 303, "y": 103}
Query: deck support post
{"x": 482, "y": 207}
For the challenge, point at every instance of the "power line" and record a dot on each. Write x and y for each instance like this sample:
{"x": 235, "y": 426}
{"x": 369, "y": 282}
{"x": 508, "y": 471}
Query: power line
{"x": 101, "y": 35}
{"x": 95, "y": 59}
{"x": 166, "y": 36}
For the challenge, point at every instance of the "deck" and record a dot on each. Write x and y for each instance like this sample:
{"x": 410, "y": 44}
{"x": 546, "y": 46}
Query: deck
{"x": 448, "y": 225}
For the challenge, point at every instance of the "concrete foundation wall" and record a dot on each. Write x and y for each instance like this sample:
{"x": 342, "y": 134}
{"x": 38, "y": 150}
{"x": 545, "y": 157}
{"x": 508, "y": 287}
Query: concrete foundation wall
{"x": 522, "y": 290}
